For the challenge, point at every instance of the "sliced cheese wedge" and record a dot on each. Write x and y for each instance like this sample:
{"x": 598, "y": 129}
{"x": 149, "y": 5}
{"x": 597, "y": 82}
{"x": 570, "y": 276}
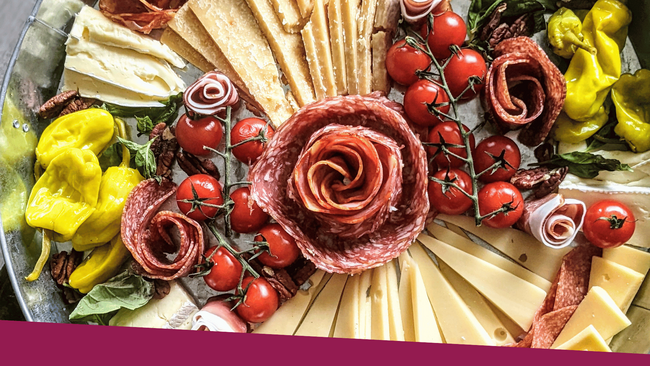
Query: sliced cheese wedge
{"x": 380, "y": 328}
{"x": 315, "y": 66}
{"x": 366, "y": 24}
{"x": 621, "y": 283}
{"x": 365, "y": 304}
{"x": 185, "y": 50}
{"x": 347, "y": 320}
{"x": 289, "y": 15}
{"x": 597, "y": 309}
{"x": 286, "y": 319}
{"x": 380, "y": 44}
{"x": 387, "y": 16}
{"x": 394, "y": 308}
{"x": 249, "y": 53}
{"x": 338, "y": 45}
{"x": 320, "y": 318}
{"x": 456, "y": 321}
{"x": 587, "y": 340}
{"x": 630, "y": 257}
{"x": 478, "y": 305}
{"x": 459, "y": 242}
{"x": 305, "y": 7}
{"x": 406, "y": 299}
{"x": 350, "y": 33}
{"x": 521, "y": 247}
{"x": 288, "y": 50}
{"x": 321, "y": 36}
{"x": 512, "y": 327}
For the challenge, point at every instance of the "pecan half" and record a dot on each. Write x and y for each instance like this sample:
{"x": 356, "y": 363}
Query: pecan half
{"x": 494, "y": 22}
{"x": 77, "y": 104}
{"x": 164, "y": 149}
{"x": 61, "y": 267}
{"x": 65, "y": 103}
{"x": 161, "y": 289}
{"x": 192, "y": 165}
{"x": 543, "y": 180}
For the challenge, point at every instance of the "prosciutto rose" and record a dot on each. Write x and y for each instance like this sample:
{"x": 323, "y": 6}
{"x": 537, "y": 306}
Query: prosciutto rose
{"x": 211, "y": 94}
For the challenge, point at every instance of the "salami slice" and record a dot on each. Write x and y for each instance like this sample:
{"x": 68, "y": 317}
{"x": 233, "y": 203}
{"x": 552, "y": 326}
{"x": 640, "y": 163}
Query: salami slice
{"x": 524, "y": 89}
{"x": 553, "y": 220}
{"x": 145, "y": 232}
{"x": 347, "y": 178}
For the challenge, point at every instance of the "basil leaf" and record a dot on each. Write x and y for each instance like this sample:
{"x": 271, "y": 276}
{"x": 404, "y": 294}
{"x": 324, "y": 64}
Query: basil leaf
{"x": 145, "y": 125}
{"x": 144, "y": 159}
{"x": 126, "y": 290}
{"x": 585, "y": 164}
{"x": 166, "y": 114}
{"x": 112, "y": 156}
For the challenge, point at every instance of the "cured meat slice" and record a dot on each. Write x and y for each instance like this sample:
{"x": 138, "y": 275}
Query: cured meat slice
{"x": 146, "y": 233}
{"x": 305, "y": 180}
{"x": 553, "y": 220}
{"x": 414, "y": 10}
{"x": 523, "y": 88}
{"x": 141, "y": 15}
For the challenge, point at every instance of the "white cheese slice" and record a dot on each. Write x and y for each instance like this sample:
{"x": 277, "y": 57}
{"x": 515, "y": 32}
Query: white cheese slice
{"x": 315, "y": 65}
{"x": 394, "y": 308}
{"x": 347, "y": 320}
{"x": 518, "y": 245}
{"x": 91, "y": 25}
{"x": 458, "y": 324}
{"x": 597, "y": 309}
{"x": 620, "y": 282}
{"x": 406, "y": 298}
{"x": 587, "y": 340}
{"x": 478, "y": 305}
{"x": 174, "y": 311}
{"x": 350, "y": 33}
{"x": 380, "y": 328}
{"x": 338, "y": 45}
{"x": 380, "y": 45}
{"x": 320, "y": 318}
{"x": 365, "y": 305}
{"x": 289, "y": 15}
{"x": 625, "y": 255}
{"x": 323, "y": 49}
{"x": 366, "y": 24}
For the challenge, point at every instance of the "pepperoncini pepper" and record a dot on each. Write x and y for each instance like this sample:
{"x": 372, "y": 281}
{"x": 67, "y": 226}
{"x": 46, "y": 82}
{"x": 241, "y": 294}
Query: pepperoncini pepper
{"x": 565, "y": 34}
{"x": 591, "y": 76}
{"x": 66, "y": 194}
{"x": 631, "y": 96}
{"x": 567, "y": 130}
{"x": 91, "y": 129}
{"x": 116, "y": 184}
{"x": 103, "y": 263}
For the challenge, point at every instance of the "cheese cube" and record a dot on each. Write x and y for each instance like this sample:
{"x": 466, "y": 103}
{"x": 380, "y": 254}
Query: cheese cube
{"x": 587, "y": 340}
{"x": 621, "y": 283}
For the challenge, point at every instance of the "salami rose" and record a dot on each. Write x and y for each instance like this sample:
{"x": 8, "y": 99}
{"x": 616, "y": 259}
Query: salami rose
{"x": 414, "y": 10}
{"x": 210, "y": 94}
{"x": 347, "y": 178}
{"x": 553, "y": 220}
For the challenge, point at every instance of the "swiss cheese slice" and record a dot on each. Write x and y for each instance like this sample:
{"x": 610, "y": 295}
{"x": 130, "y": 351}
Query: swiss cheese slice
{"x": 597, "y": 309}
{"x": 350, "y": 33}
{"x": 289, "y": 15}
{"x": 587, "y": 340}
{"x": 366, "y": 24}
{"x": 518, "y": 245}
{"x": 518, "y": 298}
{"x": 249, "y": 52}
{"x": 347, "y": 320}
{"x": 460, "y": 242}
{"x": 634, "y": 259}
{"x": 319, "y": 320}
{"x": 338, "y": 45}
{"x": 394, "y": 308}
{"x": 456, "y": 321}
{"x": 380, "y": 44}
{"x": 478, "y": 305}
{"x": 288, "y": 316}
{"x": 305, "y": 7}
{"x": 387, "y": 16}
{"x": 620, "y": 282}
{"x": 380, "y": 328}
{"x": 288, "y": 50}
{"x": 512, "y": 327}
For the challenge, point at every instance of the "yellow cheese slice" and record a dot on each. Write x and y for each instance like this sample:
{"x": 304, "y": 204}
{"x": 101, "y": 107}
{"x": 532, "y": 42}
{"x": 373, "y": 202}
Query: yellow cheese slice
{"x": 185, "y": 50}
{"x": 634, "y": 259}
{"x": 518, "y": 298}
{"x": 478, "y": 305}
{"x": 394, "y": 308}
{"x": 380, "y": 328}
{"x": 387, "y": 16}
{"x": 621, "y": 283}
{"x": 636, "y": 337}
{"x": 456, "y": 321}
{"x": 249, "y": 52}
{"x": 320, "y": 318}
{"x": 456, "y": 229}
{"x": 314, "y": 62}
{"x": 597, "y": 309}
{"x": 288, "y": 50}
{"x": 366, "y": 24}
{"x": 642, "y": 298}
{"x": 521, "y": 247}
{"x": 338, "y": 46}
{"x": 288, "y": 316}
{"x": 365, "y": 305}
{"x": 350, "y": 33}
{"x": 289, "y": 15}
{"x": 406, "y": 298}
{"x": 587, "y": 340}
{"x": 347, "y": 320}
{"x": 513, "y": 328}
{"x": 381, "y": 42}
{"x": 459, "y": 242}
{"x": 323, "y": 49}
{"x": 305, "y": 7}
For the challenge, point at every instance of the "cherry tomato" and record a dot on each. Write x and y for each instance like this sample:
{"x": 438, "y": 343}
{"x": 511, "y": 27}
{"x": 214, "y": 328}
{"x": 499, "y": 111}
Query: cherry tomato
{"x": 284, "y": 250}
{"x": 448, "y": 29}
{"x": 225, "y": 272}
{"x": 192, "y": 135}
{"x": 245, "y": 218}
{"x": 450, "y": 134}
{"x": 450, "y": 201}
{"x": 193, "y": 202}
{"x": 461, "y": 67}
{"x": 497, "y": 149}
{"x": 402, "y": 61}
{"x": 497, "y": 195}
{"x": 261, "y": 300}
{"x": 417, "y": 97}
{"x": 247, "y": 128}
{"x": 608, "y": 224}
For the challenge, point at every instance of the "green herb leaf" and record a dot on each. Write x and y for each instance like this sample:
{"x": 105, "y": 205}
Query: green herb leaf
{"x": 126, "y": 290}
{"x": 112, "y": 156}
{"x": 145, "y": 125}
{"x": 149, "y": 117}
{"x": 143, "y": 157}
{"x": 585, "y": 165}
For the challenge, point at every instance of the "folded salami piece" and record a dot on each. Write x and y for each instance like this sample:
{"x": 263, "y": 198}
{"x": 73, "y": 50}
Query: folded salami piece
{"x": 553, "y": 220}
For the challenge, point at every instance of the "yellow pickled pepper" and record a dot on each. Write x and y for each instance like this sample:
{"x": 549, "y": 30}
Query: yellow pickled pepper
{"x": 101, "y": 264}
{"x": 565, "y": 34}
{"x": 631, "y": 96}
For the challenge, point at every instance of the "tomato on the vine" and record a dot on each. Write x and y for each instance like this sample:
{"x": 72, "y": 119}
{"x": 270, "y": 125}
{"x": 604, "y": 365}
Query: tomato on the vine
{"x": 282, "y": 246}
{"x": 417, "y": 99}
{"x": 245, "y": 218}
{"x": 609, "y": 224}
{"x": 197, "y": 195}
{"x": 495, "y": 196}
{"x": 450, "y": 134}
{"x": 260, "y": 302}
{"x": 448, "y": 29}
{"x": 450, "y": 200}
{"x": 462, "y": 66}
{"x": 225, "y": 272}
{"x": 497, "y": 149}
{"x": 402, "y": 62}
{"x": 192, "y": 135}
{"x": 245, "y": 129}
